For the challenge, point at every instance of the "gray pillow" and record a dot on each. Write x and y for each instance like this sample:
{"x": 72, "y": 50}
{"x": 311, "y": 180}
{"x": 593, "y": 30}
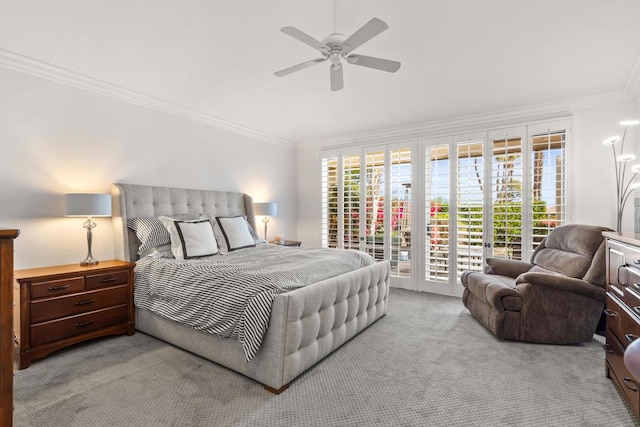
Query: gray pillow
{"x": 150, "y": 231}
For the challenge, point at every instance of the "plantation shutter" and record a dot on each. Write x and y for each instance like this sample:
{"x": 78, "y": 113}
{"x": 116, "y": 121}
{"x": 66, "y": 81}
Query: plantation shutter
{"x": 374, "y": 204}
{"x": 329, "y": 204}
{"x": 548, "y": 178}
{"x": 351, "y": 201}
{"x": 470, "y": 206}
{"x": 400, "y": 209}
{"x": 491, "y": 193}
{"x": 437, "y": 177}
{"x": 507, "y": 181}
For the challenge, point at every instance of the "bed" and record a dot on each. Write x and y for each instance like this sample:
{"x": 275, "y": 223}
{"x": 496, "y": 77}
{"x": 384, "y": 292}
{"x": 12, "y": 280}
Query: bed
{"x": 305, "y": 324}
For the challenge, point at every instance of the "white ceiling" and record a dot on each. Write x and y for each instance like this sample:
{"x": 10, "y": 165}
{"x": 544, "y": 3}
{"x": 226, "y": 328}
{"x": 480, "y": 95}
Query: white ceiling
{"x": 217, "y": 57}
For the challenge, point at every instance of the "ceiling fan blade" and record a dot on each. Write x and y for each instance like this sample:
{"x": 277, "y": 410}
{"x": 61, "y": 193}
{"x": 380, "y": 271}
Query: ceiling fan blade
{"x": 298, "y": 67}
{"x": 372, "y": 62}
{"x": 304, "y": 38}
{"x": 364, "y": 34}
{"x": 336, "y": 77}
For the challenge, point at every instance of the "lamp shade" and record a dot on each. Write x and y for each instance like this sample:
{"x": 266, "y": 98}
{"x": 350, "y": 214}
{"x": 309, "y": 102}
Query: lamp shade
{"x": 86, "y": 204}
{"x": 267, "y": 209}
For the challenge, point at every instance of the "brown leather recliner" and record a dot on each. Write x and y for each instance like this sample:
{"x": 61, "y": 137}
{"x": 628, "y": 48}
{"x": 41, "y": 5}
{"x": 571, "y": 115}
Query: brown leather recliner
{"x": 557, "y": 298}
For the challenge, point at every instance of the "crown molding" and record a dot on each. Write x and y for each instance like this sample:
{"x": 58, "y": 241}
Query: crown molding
{"x": 27, "y": 65}
{"x": 498, "y": 118}
{"x": 34, "y": 67}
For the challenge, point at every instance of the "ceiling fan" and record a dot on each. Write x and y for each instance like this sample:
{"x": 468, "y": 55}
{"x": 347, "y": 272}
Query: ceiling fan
{"x": 336, "y": 47}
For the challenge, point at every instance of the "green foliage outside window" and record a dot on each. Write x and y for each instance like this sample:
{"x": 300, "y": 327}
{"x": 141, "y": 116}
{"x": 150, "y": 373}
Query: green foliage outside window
{"x": 507, "y": 217}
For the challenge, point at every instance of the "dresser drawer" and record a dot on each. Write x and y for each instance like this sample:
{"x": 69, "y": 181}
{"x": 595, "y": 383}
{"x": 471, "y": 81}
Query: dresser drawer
{"x": 54, "y": 308}
{"x": 67, "y": 327}
{"x": 57, "y": 287}
{"x": 120, "y": 277}
{"x": 626, "y": 382}
{"x": 632, "y": 299}
{"x": 632, "y": 256}
{"x": 621, "y": 322}
{"x": 632, "y": 277}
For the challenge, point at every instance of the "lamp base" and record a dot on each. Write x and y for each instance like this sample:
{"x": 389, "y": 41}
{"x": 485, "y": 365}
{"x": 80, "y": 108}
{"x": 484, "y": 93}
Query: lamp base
{"x": 89, "y": 259}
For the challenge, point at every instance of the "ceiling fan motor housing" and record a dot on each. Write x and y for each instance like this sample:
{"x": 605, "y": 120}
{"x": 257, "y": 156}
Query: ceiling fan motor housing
{"x": 334, "y": 41}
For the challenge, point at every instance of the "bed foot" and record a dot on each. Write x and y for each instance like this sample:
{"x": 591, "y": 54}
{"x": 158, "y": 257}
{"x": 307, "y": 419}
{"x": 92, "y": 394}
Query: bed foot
{"x": 276, "y": 390}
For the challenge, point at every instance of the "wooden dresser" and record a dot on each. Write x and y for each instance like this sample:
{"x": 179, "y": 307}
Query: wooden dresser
{"x": 64, "y": 305}
{"x": 6, "y": 326}
{"x": 623, "y": 311}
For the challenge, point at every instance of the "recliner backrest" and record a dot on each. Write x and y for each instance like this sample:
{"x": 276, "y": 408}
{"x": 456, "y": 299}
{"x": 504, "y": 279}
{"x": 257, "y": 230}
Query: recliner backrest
{"x": 570, "y": 250}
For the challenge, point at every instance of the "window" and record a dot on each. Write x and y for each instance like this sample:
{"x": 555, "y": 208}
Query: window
{"x": 366, "y": 203}
{"x": 330, "y": 202}
{"x": 493, "y": 193}
{"x": 470, "y": 213}
{"x": 548, "y": 190}
{"x": 399, "y": 205}
{"x": 351, "y": 201}
{"x": 374, "y": 204}
{"x": 437, "y": 213}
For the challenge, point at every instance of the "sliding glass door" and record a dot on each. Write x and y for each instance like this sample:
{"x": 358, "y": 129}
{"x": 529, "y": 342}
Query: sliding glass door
{"x": 490, "y": 194}
{"x": 449, "y": 202}
{"x": 454, "y": 210}
{"x": 367, "y": 204}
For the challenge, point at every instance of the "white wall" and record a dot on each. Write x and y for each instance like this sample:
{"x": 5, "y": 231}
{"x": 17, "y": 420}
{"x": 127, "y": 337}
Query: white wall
{"x": 591, "y": 170}
{"x": 55, "y": 139}
{"x": 593, "y": 166}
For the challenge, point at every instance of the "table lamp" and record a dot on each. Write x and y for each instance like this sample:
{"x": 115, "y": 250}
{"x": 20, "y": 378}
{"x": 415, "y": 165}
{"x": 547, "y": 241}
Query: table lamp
{"x": 266, "y": 210}
{"x": 88, "y": 205}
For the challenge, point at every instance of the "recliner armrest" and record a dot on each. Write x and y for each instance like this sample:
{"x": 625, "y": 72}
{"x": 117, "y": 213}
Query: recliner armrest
{"x": 506, "y": 267}
{"x": 563, "y": 283}
{"x": 488, "y": 288}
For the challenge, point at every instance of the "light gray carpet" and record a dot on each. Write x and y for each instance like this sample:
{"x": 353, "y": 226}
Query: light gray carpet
{"x": 427, "y": 363}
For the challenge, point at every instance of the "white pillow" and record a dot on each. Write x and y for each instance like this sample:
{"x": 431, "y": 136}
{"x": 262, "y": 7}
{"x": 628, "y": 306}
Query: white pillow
{"x": 233, "y": 233}
{"x": 190, "y": 239}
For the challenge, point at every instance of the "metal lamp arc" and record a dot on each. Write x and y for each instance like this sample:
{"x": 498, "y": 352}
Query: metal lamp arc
{"x": 624, "y": 185}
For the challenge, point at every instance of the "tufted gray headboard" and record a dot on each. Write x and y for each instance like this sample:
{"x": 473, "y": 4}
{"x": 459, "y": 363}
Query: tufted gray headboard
{"x": 130, "y": 201}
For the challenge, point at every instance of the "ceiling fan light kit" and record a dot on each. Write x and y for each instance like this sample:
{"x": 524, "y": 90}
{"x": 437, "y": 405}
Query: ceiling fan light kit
{"x": 336, "y": 47}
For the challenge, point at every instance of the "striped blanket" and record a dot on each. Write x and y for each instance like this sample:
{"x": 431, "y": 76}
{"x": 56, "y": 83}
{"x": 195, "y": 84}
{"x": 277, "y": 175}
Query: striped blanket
{"x": 231, "y": 295}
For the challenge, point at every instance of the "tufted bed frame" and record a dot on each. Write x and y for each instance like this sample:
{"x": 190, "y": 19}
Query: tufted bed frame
{"x": 306, "y": 324}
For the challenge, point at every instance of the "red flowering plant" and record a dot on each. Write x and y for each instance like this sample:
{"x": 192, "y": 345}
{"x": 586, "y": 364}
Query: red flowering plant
{"x": 439, "y": 213}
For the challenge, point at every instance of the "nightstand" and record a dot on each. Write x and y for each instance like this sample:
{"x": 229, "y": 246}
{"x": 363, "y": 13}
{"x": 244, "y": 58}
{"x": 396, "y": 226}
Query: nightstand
{"x": 55, "y": 307}
{"x": 287, "y": 243}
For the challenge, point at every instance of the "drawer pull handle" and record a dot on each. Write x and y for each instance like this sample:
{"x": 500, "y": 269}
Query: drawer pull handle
{"x": 108, "y": 280}
{"x": 636, "y": 286}
{"x": 628, "y": 380}
{"x": 607, "y": 348}
{"x": 82, "y": 324}
{"x": 636, "y": 261}
{"x": 610, "y": 313}
{"x": 631, "y": 337}
{"x": 58, "y": 288}
{"x": 85, "y": 302}
{"x": 618, "y": 274}
{"x": 637, "y": 309}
